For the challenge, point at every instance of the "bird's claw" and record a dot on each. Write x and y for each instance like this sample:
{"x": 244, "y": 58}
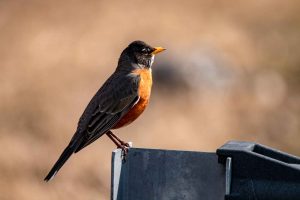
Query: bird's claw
{"x": 126, "y": 144}
{"x": 125, "y": 147}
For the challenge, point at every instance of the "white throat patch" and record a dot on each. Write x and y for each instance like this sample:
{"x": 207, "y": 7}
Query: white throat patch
{"x": 152, "y": 60}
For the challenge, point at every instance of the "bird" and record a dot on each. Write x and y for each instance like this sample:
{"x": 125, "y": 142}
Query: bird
{"x": 120, "y": 100}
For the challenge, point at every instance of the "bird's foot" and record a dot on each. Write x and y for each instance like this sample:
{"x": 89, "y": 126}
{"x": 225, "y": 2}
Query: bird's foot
{"x": 129, "y": 144}
{"x": 126, "y": 144}
{"x": 125, "y": 148}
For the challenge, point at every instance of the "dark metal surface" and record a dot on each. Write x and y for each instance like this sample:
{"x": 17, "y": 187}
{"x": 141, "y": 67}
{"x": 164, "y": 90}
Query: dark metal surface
{"x": 260, "y": 172}
{"x": 253, "y": 172}
{"x": 167, "y": 175}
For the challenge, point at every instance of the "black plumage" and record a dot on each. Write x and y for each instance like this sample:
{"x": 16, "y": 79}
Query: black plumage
{"x": 111, "y": 102}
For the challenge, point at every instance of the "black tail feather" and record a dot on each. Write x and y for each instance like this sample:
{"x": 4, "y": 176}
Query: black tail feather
{"x": 60, "y": 162}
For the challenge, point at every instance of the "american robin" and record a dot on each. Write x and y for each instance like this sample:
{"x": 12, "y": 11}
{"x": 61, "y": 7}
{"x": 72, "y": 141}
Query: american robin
{"x": 120, "y": 100}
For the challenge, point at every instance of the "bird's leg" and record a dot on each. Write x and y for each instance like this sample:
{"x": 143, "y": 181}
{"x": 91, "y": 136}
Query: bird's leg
{"x": 119, "y": 143}
{"x": 118, "y": 139}
{"x": 113, "y": 139}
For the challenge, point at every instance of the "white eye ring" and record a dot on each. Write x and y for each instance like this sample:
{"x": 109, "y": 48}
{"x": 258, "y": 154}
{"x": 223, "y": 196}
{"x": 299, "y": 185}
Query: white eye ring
{"x": 144, "y": 50}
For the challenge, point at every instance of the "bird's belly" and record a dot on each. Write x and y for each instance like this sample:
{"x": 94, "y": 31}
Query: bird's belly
{"x": 133, "y": 114}
{"x": 144, "y": 92}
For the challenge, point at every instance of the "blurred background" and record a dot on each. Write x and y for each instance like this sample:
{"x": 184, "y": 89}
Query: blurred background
{"x": 231, "y": 71}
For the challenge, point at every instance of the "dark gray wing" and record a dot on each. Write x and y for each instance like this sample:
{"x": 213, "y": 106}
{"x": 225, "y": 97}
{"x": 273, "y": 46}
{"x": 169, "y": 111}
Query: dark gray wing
{"x": 114, "y": 99}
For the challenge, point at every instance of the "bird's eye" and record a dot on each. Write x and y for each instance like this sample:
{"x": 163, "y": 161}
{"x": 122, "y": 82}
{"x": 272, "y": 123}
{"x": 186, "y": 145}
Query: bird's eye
{"x": 144, "y": 50}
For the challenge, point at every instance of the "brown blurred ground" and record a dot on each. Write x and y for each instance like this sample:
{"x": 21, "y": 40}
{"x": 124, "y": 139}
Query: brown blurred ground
{"x": 233, "y": 73}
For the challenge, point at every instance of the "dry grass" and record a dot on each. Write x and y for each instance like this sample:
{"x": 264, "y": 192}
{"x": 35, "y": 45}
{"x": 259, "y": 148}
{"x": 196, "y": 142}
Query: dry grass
{"x": 233, "y": 73}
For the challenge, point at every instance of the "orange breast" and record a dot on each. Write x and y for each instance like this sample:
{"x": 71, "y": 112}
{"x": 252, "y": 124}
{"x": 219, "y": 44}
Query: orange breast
{"x": 144, "y": 94}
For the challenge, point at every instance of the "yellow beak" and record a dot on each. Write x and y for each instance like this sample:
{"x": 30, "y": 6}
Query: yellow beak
{"x": 158, "y": 50}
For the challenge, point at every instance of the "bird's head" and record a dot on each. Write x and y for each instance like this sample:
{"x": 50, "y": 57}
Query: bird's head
{"x": 140, "y": 53}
